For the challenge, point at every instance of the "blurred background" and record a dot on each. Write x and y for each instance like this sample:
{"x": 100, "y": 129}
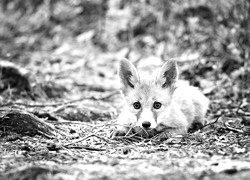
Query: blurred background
{"x": 58, "y": 61}
{"x": 66, "y": 44}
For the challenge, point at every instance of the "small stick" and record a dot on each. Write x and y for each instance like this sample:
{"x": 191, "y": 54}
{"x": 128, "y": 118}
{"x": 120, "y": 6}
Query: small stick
{"x": 87, "y": 148}
{"x": 212, "y": 122}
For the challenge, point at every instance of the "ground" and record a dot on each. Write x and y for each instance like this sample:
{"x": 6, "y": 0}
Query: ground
{"x": 60, "y": 94}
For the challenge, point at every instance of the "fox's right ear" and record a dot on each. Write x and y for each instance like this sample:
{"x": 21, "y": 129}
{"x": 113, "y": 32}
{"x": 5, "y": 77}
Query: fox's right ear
{"x": 128, "y": 75}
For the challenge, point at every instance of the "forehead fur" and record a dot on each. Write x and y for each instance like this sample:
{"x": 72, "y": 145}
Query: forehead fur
{"x": 147, "y": 92}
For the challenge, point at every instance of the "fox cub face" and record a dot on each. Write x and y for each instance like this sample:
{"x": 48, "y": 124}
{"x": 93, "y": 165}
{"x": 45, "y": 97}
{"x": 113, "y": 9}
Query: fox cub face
{"x": 147, "y": 99}
{"x": 158, "y": 104}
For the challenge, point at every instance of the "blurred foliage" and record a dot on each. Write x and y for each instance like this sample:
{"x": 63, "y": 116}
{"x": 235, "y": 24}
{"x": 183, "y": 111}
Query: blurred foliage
{"x": 214, "y": 28}
{"x": 216, "y": 33}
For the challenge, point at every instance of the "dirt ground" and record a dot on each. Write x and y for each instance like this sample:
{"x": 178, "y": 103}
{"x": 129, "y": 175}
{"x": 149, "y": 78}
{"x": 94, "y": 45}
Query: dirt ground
{"x": 60, "y": 98}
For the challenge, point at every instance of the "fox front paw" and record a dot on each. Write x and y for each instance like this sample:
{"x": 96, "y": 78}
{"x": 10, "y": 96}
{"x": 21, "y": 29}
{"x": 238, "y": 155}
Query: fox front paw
{"x": 138, "y": 131}
{"x": 135, "y": 131}
{"x": 120, "y": 132}
{"x": 116, "y": 133}
{"x": 163, "y": 136}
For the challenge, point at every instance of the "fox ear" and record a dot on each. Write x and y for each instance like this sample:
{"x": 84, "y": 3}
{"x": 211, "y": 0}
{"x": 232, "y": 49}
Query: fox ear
{"x": 128, "y": 74}
{"x": 168, "y": 74}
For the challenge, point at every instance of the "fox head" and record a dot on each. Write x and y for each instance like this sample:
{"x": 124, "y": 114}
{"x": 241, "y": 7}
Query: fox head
{"x": 148, "y": 99}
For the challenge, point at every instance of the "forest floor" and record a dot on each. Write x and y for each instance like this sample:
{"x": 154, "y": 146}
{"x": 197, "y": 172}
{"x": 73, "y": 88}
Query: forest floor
{"x": 58, "y": 106}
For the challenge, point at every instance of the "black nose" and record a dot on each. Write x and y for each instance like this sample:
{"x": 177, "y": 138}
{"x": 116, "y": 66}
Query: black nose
{"x": 146, "y": 124}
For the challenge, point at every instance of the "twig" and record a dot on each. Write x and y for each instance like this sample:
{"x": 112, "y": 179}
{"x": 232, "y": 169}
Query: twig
{"x": 86, "y": 137}
{"x": 87, "y": 148}
{"x": 243, "y": 113}
{"x": 233, "y": 129}
{"x": 127, "y": 139}
{"x": 78, "y": 140}
{"x": 212, "y": 122}
{"x": 45, "y": 134}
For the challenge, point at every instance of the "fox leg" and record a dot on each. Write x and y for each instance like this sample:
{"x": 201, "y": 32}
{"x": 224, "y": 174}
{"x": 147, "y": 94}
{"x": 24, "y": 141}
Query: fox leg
{"x": 125, "y": 123}
{"x": 172, "y": 125}
{"x": 172, "y": 131}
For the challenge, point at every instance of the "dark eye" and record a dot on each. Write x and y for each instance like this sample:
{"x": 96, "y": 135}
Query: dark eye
{"x": 157, "y": 105}
{"x": 137, "y": 105}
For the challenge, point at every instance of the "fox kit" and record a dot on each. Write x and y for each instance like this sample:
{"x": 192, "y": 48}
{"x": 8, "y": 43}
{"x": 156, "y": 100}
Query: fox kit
{"x": 159, "y": 105}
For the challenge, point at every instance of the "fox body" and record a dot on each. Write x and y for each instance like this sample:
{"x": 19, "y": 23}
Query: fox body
{"x": 158, "y": 104}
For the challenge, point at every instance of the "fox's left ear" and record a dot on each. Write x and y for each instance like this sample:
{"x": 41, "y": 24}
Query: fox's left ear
{"x": 168, "y": 74}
